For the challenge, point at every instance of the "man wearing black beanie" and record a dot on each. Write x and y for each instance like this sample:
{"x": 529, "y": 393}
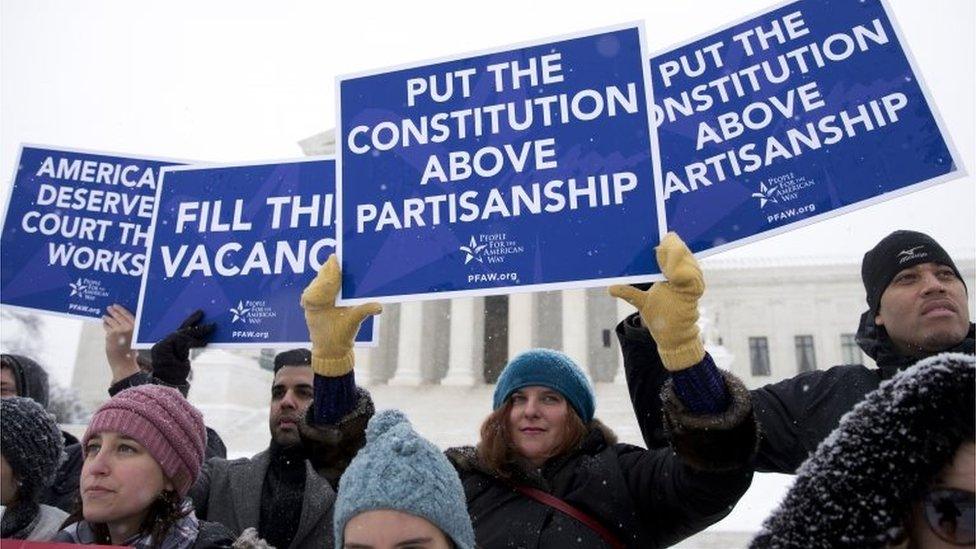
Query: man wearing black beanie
{"x": 917, "y": 307}
{"x": 915, "y": 295}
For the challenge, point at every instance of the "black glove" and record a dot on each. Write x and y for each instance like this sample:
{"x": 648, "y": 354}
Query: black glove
{"x": 171, "y": 356}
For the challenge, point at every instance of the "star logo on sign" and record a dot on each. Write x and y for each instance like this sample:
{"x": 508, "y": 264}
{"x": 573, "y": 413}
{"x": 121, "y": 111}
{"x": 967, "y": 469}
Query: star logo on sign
{"x": 473, "y": 251}
{"x": 239, "y": 312}
{"x": 76, "y": 287}
{"x": 765, "y": 195}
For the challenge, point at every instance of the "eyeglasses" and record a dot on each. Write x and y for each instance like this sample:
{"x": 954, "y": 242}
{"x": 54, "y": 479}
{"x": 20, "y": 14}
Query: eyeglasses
{"x": 951, "y": 513}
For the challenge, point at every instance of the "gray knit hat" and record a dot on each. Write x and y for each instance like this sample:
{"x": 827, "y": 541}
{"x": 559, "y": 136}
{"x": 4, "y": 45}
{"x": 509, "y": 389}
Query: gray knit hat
{"x": 31, "y": 443}
{"x": 399, "y": 470}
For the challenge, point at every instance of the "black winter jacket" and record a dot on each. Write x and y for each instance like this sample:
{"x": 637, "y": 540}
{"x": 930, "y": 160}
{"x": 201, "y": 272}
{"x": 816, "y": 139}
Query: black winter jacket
{"x": 858, "y": 487}
{"x": 647, "y": 498}
{"x": 794, "y": 414}
{"x": 63, "y": 492}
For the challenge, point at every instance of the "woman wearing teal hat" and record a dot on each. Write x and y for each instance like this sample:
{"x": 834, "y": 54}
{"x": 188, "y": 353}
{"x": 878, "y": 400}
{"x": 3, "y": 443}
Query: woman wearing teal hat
{"x": 546, "y": 473}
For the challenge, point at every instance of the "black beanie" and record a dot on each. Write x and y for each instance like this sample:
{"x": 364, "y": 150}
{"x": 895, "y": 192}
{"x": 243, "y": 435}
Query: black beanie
{"x": 294, "y": 357}
{"x": 31, "y": 443}
{"x": 897, "y": 251}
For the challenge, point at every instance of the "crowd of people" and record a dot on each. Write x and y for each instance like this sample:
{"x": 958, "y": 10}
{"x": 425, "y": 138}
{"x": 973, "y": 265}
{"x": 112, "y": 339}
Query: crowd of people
{"x": 883, "y": 457}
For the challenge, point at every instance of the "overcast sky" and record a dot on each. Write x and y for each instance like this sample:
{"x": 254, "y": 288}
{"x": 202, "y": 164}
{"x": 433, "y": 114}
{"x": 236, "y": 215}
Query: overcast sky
{"x": 244, "y": 80}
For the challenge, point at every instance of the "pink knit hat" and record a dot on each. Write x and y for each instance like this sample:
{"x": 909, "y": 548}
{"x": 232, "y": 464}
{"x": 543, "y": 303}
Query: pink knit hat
{"x": 163, "y": 422}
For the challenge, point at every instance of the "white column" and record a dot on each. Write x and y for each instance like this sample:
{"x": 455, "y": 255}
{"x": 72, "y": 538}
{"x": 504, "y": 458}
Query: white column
{"x": 521, "y": 323}
{"x": 410, "y": 345}
{"x": 624, "y": 310}
{"x": 467, "y": 350}
{"x": 364, "y": 359}
{"x": 574, "y": 326}
{"x": 92, "y": 375}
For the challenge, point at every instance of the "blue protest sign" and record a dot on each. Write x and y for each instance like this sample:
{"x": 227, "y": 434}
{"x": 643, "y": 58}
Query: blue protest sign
{"x": 240, "y": 242}
{"x": 804, "y": 112}
{"x": 75, "y": 230}
{"x": 523, "y": 168}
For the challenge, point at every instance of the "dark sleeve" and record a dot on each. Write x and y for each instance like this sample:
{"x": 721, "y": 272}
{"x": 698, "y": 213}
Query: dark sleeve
{"x": 335, "y": 397}
{"x": 200, "y": 491}
{"x": 331, "y": 446}
{"x": 683, "y": 491}
{"x": 780, "y": 409}
{"x": 143, "y": 378}
{"x": 645, "y": 377}
{"x": 138, "y": 378}
{"x": 796, "y": 414}
{"x": 213, "y": 535}
{"x": 701, "y": 387}
{"x": 64, "y": 492}
{"x": 215, "y": 445}
{"x": 783, "y": 410}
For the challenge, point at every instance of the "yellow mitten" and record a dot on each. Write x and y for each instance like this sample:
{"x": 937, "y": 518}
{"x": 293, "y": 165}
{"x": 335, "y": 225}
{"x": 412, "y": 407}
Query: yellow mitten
{"x": 332, "y": 329}
{"x": 670, "y": 309}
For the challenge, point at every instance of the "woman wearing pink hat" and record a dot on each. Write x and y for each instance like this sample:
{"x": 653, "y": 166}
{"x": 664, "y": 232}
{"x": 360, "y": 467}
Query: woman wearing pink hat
{"x": 143, "y": 450}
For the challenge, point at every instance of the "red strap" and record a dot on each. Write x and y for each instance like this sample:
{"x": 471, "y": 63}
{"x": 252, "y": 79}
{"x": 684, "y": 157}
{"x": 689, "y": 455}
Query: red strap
{"x": 560, "y": 505}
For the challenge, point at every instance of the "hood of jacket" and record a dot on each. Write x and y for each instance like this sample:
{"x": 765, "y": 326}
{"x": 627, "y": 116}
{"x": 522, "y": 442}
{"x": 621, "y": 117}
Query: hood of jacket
{"x": 876, "y": 343}
{"x": 861, "y": 482}
{"x": 30, "y": 377}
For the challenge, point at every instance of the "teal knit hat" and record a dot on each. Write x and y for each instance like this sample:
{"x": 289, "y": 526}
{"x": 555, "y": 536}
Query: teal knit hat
{"x": 399, "y": 470}
{"x": 547, "y": 368}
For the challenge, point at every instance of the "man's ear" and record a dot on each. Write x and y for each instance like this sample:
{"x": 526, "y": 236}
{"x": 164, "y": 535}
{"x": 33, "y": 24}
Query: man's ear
{"x": 878, "y": 321}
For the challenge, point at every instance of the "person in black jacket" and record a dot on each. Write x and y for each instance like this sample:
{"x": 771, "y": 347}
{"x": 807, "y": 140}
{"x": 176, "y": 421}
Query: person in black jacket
{"x": 917, "y": 307}
{"x": 899, "y": 471}
{"x": 546, "y": 473}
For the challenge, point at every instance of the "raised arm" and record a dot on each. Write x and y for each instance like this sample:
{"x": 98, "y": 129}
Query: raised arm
{"x": 170, "y": 357}
{"x": 792, "y": 422}
{"x": 670, "y": 311}
{"x": 118, "y": 324}
{"x": 333, "y": 331}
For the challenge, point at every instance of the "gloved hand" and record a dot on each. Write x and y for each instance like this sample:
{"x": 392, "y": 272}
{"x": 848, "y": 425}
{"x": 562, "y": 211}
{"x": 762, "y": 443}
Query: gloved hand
{"x": 670, "y": 309}
{"x": 332, "y": 329}
{"x": 171, "y": 356}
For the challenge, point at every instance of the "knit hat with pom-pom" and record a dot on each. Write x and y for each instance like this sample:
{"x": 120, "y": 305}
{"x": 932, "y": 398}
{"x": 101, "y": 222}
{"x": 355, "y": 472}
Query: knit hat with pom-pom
{"x": 399, "y": 470}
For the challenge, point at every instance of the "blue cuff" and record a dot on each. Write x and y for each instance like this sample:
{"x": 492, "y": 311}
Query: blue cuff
{"x": 702, "y": 388}
{"x": 334, "y": 397}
